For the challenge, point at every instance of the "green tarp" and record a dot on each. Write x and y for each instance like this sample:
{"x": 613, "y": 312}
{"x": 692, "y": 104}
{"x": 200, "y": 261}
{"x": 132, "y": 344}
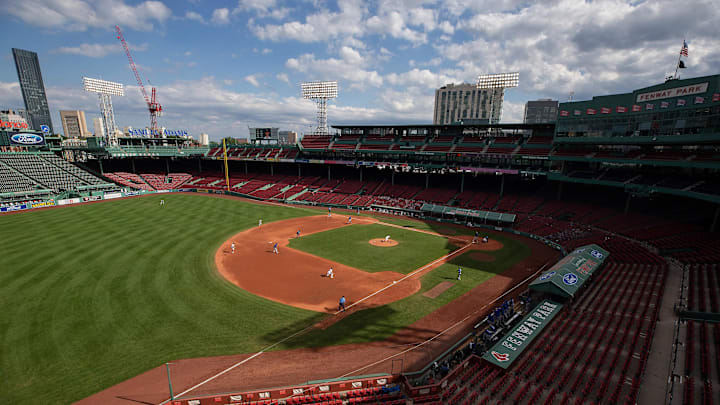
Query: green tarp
{"x": 471, "y": 215}
{"x": 509, "y": 348}
{"x": 566, "y": 277}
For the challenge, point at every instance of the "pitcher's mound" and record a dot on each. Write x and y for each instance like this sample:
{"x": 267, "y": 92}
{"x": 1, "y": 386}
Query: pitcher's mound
{"x": 381, "y": 242}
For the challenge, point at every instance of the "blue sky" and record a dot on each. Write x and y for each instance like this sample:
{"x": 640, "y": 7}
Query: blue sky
{"x": 220, "y": 66}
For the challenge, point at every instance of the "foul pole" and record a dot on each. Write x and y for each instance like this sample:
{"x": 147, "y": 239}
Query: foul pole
{"x": 227, "y": 175}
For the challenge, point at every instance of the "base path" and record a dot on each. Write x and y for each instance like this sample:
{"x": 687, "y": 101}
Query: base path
{"x": 401, "y": 352}
{"x": 298, "y": 278}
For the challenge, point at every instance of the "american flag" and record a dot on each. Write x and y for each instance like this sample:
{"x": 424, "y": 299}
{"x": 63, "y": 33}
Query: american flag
{"x": 684, "y": 50}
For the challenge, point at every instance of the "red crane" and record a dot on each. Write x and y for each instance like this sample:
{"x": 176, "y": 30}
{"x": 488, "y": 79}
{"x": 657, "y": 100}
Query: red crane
{"x": 153, "y": 106}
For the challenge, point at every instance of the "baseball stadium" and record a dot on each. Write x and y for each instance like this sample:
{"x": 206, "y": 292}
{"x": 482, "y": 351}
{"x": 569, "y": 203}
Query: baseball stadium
{"x": 574, "y": 262}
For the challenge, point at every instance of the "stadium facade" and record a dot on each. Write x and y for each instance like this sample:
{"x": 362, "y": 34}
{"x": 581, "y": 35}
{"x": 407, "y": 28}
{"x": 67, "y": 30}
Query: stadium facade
{"x": 628, "y": 179}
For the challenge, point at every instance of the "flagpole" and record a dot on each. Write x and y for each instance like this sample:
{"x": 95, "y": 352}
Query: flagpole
{"x": 678, "y": 62}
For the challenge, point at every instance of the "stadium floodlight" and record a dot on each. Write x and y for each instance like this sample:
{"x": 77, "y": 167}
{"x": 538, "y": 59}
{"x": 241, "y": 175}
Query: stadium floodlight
{"x": 320, "y": 92}
{"x": 497, "y": 83}
{"x": 105, "y": 89}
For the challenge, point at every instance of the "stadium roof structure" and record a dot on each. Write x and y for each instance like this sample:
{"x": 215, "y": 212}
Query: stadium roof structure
{"x": 543, "y": 126}
{"x": 566, "y": 277}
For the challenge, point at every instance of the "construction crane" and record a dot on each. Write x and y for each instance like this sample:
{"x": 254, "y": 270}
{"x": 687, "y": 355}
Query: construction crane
{"x": 153, "y": 106}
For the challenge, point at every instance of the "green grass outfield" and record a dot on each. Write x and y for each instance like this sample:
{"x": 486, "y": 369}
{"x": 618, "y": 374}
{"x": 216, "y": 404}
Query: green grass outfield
{"x": 95, "y": 294}
{"x": 349, "y": 245}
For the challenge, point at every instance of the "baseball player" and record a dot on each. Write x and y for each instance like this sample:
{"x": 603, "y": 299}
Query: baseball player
{"x": 329, "y": 210}
{"x": 162, "y": 202}
{"x": 275, "y": 249}
{"x": 387, "y": 238}
{"x": 349, "y": 220}
{"x": 260, "y": 222}
{"x": 232, "y": 247}
{"x": 485, "y": 239}
{"x": 330, "y": 273}
{"x": 297, "y": 234}
{"x": 342, "y": 304}
{"x": 475, "y": 238}
{"x": 459, "y": 272}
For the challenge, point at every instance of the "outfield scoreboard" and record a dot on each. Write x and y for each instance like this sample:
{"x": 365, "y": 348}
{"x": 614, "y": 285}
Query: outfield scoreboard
{"x": 264, "y": 135}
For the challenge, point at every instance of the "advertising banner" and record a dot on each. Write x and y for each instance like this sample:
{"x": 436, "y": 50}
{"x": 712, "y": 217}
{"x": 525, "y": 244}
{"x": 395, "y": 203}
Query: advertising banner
{"x": 110, "y": 196}
{"x": 68, "y": 201}
{"x": 92, "y": 198}
{"x": 11, "y": 208}
{"x": 40, "y": 204}
{"x": 26, "y": 139}
{"x": 567, "y": 276}
{"x": 506, "y": 350}
{"x": 674, "y": 92}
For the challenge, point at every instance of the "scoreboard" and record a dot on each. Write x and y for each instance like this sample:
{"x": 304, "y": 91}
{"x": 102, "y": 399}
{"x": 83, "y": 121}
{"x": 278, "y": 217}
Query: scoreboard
{"x": 264, "y": 135}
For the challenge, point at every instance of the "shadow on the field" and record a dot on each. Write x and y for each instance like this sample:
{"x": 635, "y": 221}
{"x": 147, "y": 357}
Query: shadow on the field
{"x": 356, "y": 325}
{"x": 137, "y": 401}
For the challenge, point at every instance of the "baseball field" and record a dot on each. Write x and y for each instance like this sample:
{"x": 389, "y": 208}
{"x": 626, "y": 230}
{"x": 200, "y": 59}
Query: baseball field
{"x": 95, "y": 294}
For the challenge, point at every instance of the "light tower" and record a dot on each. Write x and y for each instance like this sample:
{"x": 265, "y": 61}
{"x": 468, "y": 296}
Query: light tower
{"x": 105, "y": 89}
{"x": 494, "y": 82}
{"x": 320, "y": 92}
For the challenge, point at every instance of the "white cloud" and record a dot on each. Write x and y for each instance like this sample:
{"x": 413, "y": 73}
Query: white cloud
{"x": 446, "y": 27}
{"x": 10, "y": 95}
{"x": 253, "y": 79}
{"x": 79, "y": 15}
{"x": 262, "y": 8}
{"x": 512, "y": 112}
{"x": 191, "y": 15}
{"x": 221, "y": 16}
{"x": 321, "y": 26}
{"x": 283, "y": 77}
{"x": 350, "y": 67}
{"x": 91, "y": 50}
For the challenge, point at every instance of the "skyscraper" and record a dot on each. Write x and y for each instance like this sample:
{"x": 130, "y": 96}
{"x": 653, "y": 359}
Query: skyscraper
{"x": 32, "y": 87}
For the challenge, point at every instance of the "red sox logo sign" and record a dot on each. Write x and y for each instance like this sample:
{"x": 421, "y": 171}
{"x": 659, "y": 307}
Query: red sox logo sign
{"x": 500, "y": 356}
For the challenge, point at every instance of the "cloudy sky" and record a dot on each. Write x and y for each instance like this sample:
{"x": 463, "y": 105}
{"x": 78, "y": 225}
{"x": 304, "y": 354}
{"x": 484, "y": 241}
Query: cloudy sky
{"x": 220, "y": 66}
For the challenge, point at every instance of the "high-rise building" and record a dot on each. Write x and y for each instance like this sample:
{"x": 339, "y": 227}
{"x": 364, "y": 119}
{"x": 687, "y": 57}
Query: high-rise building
{"x": 541, "y": 111}
{"x": 98, "y": 127}
{"x": 465, "y": 102}
{"x": 32, "y": 87}
{"x": 12, "y": 119}
{"x": 204, "y": 139}
{"x": 74, "y": 124}
{"x": 288, "y": 137}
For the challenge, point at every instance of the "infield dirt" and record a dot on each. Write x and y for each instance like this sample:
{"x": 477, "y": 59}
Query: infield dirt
{"x": 437, "y": 331}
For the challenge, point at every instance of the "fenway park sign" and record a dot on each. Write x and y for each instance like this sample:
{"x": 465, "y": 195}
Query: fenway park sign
{"x": 509, "y": 348}
{"x": 674, "y": 92}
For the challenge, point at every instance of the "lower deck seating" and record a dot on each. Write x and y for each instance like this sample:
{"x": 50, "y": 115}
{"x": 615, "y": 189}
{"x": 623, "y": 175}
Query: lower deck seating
{"x": 28, "y": 171}
{"x": 596, "y": 351}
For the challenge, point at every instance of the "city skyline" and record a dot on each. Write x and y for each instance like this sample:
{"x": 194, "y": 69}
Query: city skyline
{"x": 220, "y": 67}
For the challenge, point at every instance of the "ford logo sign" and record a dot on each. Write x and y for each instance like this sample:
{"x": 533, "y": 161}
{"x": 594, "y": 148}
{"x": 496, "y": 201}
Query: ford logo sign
{"x": 27, "y": 139}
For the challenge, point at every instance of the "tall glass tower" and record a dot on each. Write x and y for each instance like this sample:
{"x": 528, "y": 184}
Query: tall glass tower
{"x": 32, "y": 87}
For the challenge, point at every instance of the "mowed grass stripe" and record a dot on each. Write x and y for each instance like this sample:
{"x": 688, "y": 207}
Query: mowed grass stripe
{"x": 123, "y": 286}
{"x": 96, "y": 294}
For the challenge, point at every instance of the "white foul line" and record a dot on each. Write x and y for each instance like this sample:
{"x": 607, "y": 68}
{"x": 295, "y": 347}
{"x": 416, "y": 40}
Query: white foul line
{"x": 447, "y": 256}
{"x": 439, "y": 333}
{"x": 349, "y": 306}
